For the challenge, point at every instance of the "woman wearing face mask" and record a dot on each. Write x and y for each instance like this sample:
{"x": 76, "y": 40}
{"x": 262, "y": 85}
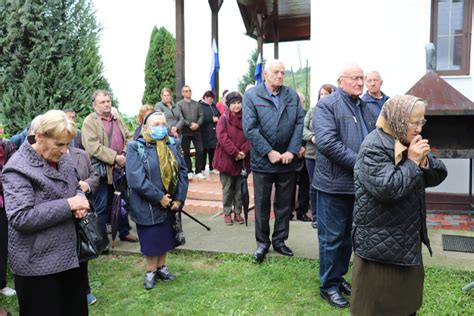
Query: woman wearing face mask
{"x": 157, "y": 178}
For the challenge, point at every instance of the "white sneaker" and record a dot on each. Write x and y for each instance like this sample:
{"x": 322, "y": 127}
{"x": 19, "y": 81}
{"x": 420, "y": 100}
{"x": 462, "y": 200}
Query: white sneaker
{"x": 190, "y": 175}
{"x": 200, "y": 176}
{"x": 8, "y": 291}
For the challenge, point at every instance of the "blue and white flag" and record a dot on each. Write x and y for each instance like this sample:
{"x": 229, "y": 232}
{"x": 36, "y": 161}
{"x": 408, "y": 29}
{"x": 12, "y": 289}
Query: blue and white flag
{"x": 258, "y": 70}
{"x": 215, "y": 66}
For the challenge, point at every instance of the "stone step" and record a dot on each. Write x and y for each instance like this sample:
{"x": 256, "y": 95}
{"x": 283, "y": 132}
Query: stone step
{"x": 204, "y": 207}
{"x": 210, "y": 192}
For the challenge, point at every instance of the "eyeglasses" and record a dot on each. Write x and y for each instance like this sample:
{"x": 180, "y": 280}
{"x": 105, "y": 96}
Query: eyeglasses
{"x": 185, "y": 91}
{"x": 418, "y": 124}
{"x": 354, "y": 78}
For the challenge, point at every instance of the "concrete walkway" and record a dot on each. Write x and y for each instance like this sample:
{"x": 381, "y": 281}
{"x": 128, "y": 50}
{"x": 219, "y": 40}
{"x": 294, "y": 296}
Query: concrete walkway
{"x": 302, "y": 240}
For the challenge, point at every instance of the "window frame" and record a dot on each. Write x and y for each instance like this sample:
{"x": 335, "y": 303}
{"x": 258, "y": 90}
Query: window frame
{"x": 466, "y": 50}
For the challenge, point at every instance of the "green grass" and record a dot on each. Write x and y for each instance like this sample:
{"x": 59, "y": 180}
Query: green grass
{"x": 226, "y": 284}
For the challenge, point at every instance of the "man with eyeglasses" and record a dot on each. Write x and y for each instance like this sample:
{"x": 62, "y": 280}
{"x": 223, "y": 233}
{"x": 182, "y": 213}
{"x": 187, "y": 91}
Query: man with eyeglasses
{"x": 193, "y": 118}
{"x": 374, "y": 97}
{"x": 340, "y": 122}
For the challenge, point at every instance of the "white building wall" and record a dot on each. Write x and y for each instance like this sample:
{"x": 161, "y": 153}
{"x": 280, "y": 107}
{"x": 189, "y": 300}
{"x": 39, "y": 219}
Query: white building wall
{"x": 388, "y": 36}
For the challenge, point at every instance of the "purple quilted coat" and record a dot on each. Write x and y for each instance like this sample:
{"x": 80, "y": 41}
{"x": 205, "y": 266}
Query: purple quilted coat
{"x": 41, "y": 230}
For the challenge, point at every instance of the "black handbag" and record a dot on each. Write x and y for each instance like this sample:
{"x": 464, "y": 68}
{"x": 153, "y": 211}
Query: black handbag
{"x": 99, "y": 167}
{"x": 90, "y": 239}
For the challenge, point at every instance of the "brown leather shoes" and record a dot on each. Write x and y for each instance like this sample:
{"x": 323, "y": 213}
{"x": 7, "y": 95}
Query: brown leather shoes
{"x": 228, "y": 219}
{"x": 239, "y": 219}
{"x": 130, "y": 238}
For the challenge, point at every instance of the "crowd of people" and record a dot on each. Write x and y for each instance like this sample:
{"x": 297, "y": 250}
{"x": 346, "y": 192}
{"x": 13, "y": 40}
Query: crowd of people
{"x": 354, "y": 165}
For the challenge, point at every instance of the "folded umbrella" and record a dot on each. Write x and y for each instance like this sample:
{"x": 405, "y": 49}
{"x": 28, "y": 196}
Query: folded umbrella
{"x": 245, "y": 192}
{"x": 118, "y": 202}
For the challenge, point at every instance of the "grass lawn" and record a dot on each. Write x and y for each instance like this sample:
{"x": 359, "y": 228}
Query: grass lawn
{"x": 227, "y": 284}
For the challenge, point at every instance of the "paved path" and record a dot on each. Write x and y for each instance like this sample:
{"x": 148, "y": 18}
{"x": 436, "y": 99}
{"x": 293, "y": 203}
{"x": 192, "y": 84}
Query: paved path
{"x": 302, "y": 240}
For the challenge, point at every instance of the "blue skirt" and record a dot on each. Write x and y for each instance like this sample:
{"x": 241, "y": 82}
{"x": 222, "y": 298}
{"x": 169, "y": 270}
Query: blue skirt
{"x": 157, "y": 239}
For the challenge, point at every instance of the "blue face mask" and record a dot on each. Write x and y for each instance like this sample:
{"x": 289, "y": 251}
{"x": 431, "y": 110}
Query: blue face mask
{"x": 159, "y": 132}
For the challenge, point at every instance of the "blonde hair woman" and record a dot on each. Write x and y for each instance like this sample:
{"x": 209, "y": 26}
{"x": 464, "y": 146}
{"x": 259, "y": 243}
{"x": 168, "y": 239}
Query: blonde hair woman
{"x": 42, "y": 199}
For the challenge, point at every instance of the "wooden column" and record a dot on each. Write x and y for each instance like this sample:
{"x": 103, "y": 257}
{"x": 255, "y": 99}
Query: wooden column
{"x": 180, "y": 52}
{"x": 276, "y": 30}
{"x": 215, "y": 6}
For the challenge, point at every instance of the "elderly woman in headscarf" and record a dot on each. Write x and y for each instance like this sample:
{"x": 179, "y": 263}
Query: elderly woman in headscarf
{"x": 157, "y": 178}
{"x": 393, "y": 168}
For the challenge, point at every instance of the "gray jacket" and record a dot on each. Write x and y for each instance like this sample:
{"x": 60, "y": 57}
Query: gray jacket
{"x": 173, "y": 115}
{"x": 308, "y": 135}
{"x": 41, "y": 229}
{"x": 192, "y": 113}
{"x": 270, "y": 128}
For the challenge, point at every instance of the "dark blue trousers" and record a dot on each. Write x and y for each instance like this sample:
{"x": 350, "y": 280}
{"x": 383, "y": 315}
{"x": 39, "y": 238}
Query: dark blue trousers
{"x": 334, "y": 234}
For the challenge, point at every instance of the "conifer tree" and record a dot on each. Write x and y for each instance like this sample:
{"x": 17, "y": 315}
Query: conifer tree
{"x": 248, "y": 78}
{"x": 160, "y": 65}
{"x": 49, "y": 59}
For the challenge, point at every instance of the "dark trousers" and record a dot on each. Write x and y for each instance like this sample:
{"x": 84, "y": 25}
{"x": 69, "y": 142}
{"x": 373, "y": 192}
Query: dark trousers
{"x": 334, "y": 235}
{"x": 208, "y": 154}
{"x": 303, "y": 184}
{"x": 3, "y": 248}
{"x": 282, "y": 206}
{"x": 84, "y": 268}
{"x": 197, "y": 142}
{"x": 103, "y": 206}
{"x": 313, "y": 193}
{"x": 56, "y": 294}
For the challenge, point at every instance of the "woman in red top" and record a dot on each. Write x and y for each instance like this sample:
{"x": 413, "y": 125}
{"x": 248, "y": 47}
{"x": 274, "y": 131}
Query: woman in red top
{"x": 232, "y": 152}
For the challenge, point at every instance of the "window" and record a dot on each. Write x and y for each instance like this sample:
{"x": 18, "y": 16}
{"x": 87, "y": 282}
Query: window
{"x": 451, "y": 34}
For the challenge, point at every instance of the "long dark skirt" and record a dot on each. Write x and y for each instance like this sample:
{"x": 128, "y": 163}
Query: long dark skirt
{"x": 385, "y": 289}
{"x": 157, "y": 239}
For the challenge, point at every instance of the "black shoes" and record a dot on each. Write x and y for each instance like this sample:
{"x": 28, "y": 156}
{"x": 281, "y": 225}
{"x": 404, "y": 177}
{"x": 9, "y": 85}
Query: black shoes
{"x": 284, "y": 250}
{"x": 164, "y": 274}
{"x": 345, "y": 287}
{"x": 260, "y": 254}
{"x": 304, "y": 218}
{"x": 334, "y": 298}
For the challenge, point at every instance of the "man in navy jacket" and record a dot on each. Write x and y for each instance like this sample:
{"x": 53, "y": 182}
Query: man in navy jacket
{"x": 341, "y": 121}
{"x": 273, "y": 124}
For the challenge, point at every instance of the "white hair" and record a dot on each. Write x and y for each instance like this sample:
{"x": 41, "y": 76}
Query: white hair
{"x": 273, "y": 62}
{"x": 346, "y": 66}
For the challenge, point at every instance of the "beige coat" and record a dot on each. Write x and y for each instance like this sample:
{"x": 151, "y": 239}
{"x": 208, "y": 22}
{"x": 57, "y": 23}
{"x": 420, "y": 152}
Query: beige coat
{"x": 96, "y": 142}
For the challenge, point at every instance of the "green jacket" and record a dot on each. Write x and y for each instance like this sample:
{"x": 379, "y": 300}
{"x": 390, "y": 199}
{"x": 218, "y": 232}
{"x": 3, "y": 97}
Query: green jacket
{"x": 96, "y": 142}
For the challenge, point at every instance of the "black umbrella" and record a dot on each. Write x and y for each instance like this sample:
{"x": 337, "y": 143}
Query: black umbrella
{"x": 118, "y": 202}
{"x": 245, "y": 192}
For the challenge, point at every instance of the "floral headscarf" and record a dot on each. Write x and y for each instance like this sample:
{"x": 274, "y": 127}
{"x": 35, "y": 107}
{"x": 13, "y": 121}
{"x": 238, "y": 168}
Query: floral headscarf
{"x": 394, "y": 119}
{"x": 397, "y": 111}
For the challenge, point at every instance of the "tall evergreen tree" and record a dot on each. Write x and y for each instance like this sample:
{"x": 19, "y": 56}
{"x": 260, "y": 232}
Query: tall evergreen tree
{"x": 160, "y": 65}
{"x": 49, "y": 59}
{"x": 248, "y": 78}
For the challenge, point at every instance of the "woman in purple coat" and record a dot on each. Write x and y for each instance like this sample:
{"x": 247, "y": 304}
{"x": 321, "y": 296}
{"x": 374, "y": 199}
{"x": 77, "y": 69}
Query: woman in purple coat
{"x": 42, "y": 200}
{"x": 231, "y": 153}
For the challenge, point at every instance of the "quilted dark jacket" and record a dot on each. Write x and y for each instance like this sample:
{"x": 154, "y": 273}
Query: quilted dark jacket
{"x": 267, "y": 127}
{"x": 338, "y": 133}
{"x": 389, "y": 212}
